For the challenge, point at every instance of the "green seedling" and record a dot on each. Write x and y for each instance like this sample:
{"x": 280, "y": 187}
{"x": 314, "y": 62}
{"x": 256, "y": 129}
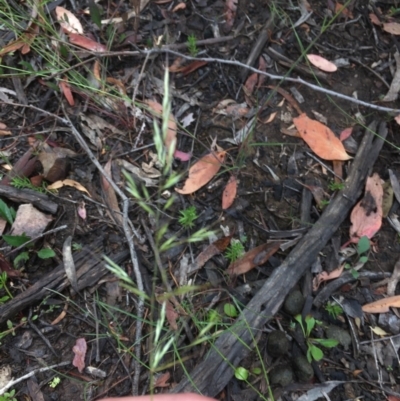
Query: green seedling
{"x": 192, "y": 45}
{"x": 333, "y": 309}
{"x": 234, "y": 251}
{"x": 10, "y": 396}
{"x": 336, "y": 186}
{"x": 3, "y": 286}
{"x": 76, "y": 246}
{"x": 230, "y": 310}
{"x": 188, "y": 216}
{"x": 363, "y": 247}
{"x": 241, "y": 373}
{"x": 54, "y": 382}
{"x": 313, "y": 352}
{"x": 7, "y": 213}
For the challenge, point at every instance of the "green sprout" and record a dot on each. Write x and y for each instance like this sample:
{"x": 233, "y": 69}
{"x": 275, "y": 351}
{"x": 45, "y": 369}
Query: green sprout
{"x": 188, "y": 216}
{"x": 25, "y": 183}
{"x": 8, "y": 396}
{"x": 234, "y": 251}
{"x": 313, "y": 352}
{"x": 192, "y": 45}
{"x": 3, "y": 286}
{"x": 333, "y": 309}
{"x": 336, "y": 186}
{"x": 54, "y": 382}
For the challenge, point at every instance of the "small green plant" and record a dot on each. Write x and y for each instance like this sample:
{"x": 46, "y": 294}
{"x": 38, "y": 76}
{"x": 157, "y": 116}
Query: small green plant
{"x": 76, "y": 246}
{"x": 234, "y": 251}
{"x": 323, "y": 203}
{"x": 230, "y": 310}
{"x": 188, "y": 216}
{"x": 241, "y": 373}
{"x": 333, "y": 309}
{"x": 363, "y": 247}
{"x": 54, "y": 382}
{"x": 3, "y": 286}
{"x": 313, "y": 352}
{"x": 192, "y": 45}
{"x": 7, "y": 213}
{"x": 10, "y": 396}
{"x": 335, "y": 186}
{"x": 44, "y": 253}
{"x": 25, "y": 183}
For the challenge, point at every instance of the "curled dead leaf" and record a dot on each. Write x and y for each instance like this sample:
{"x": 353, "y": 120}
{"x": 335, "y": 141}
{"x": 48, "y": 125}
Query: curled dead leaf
{"x": 382, "y": 305}
{"x": 68, "y": 183}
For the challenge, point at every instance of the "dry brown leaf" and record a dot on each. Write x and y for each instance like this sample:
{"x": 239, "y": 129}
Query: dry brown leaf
{"x": 287, "y": 96}
{"x": 69, "y": 23}
{"x": 3, "y": 130}
{"x": 68, "y": 183}
{"x": 170, "y": 140}
{"x": 179, "y": 6}
{"x": 345, "y": 11}
{"x": 66, "y": 90}
{"x": 202, "y": 172}
{"x": 320, "y": 139}
{"x": 366, "y": 216}
{"x": 391, "y": 27}
{"x": 86, "y": 43}
{"x": 253, "y": 258}
{"x": 325, "y": 276}
{"x": 374, "y": 19}
{"x": 229, "y": 194}
{"x": 23, "y": 43}
{"x": 161, "y": 380}
{"x": 382, "y": 305}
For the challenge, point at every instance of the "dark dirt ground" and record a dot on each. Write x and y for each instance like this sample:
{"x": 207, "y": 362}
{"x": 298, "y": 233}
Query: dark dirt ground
{"x": 264, "y": 202}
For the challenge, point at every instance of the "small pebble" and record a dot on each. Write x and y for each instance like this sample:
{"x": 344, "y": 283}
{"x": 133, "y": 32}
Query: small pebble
{"x": 339, "y": 334}
{"x": 278, "y": 344}
{"x": 302, "y": 368}
{"x": 282, "y": 375}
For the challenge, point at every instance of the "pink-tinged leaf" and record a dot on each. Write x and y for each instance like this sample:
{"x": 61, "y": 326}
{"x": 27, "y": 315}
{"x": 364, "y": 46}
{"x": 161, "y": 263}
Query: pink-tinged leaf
{"x": 321, "y": 63}
{"x": 250, "y": 84}
{"x": 66, "y": 90}
{"x": 397, "y": 119}
{"x": 345, "y": 133}
{"x": 182, "y": 156}
{"x": 179, "y": 6}
{"x": 82, "y": 210}
{"x": 230, "y": 14}
{"x": 79, "y": 349}
{"x": 229, "y": 194}
{"x": 374, "y": 19}
{"x": 325, "y": 276}
{"x": 69, "y": 23}
{"x": 366, "y": 216}
{"x": 86, "y": 43}
{"x": 392, "y": 27}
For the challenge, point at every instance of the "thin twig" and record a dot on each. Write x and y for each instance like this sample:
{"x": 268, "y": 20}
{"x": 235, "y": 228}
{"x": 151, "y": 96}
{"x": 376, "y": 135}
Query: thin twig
{"x": 147, "y": 53}
{"x": 12, "y": 383}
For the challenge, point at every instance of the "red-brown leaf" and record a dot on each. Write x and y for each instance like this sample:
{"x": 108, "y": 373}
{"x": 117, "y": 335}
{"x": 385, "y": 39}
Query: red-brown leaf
{"x": 229, "y": 194}
{"x": 253, "y": 258}
{"x": 86, "y": 43}
{"x": 202, "y": 172}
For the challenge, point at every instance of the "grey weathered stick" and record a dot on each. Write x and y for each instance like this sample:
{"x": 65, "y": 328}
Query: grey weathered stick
{"x": 212, "y": 375}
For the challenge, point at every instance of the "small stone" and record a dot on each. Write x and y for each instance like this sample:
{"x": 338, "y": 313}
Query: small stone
{"x": 282, "y": 375}
{"x": 340, "y": 335}
{"x": 302, "y": 368}
{"x": 294, "y": 303}
{"x": 278, "y": 344}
